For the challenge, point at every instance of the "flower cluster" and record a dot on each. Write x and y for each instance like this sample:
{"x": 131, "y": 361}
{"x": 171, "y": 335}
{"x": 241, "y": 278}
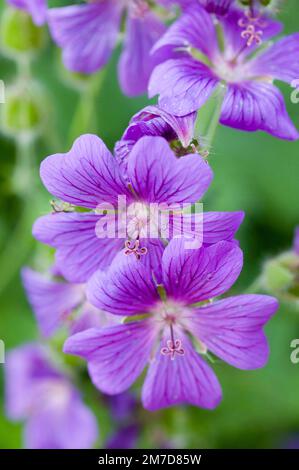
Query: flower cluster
{"x": 168, "y": 284}
{"x": 139, "y": 266}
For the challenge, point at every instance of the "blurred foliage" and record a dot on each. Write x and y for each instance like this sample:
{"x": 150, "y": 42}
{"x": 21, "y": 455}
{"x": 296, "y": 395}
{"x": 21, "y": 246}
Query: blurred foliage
{"x": 253, "y": 172}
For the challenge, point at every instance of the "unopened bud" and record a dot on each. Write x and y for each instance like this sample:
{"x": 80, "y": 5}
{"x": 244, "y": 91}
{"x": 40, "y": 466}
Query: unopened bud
{"x": 19, "y": 35}
{"x": 23, "y": 112}
{"x": 277, "y": 277}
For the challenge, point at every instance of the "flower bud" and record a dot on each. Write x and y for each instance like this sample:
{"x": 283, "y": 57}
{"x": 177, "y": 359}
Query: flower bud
{"x": 281, "y": 276}
{"x": 19, "y": 35}
{"x": 277, "y": 277}
{"x": 23, "y": 112}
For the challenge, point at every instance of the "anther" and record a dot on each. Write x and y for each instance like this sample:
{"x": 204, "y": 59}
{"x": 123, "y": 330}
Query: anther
{"x": 252, "y": 35}
{"x": 135, "y": 249}
{"x": 173, "y": 347}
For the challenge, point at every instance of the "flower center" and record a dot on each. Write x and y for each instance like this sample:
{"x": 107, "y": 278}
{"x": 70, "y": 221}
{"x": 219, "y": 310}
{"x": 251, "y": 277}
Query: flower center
{"x": 138, "y": 8}
{"x": 137, "y": 226}
{"x": 54, "y": 393}
{"x": 138, "y": 217}
{"x": 230, "y": 65}
{"x": 169, "y": 315}
{"x": 230, "y": 71}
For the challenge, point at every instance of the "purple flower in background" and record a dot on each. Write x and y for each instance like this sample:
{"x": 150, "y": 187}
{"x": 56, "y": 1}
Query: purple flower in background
{"x": 56, "y": 417}
{"x": 88, "y": 34}
{"x": 56, "y": 302}
{"x": 251, "y": 101}
{"x": 124, "y": 438}
{"x": 154, "y": 121}
{"x": 179, "y": 306}
{"x": 36, "y": 8}
{"x": 218, "y": 7}
{"x": 89, "y": 176}
{"x": 122, "y": 406}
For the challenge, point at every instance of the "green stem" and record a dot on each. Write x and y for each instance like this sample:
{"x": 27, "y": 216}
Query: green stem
{"x": 23, "y": 172}
{"x": 20, "y": 241}
{"x": 208, "y": 118}
{"x": 84, "y": 118}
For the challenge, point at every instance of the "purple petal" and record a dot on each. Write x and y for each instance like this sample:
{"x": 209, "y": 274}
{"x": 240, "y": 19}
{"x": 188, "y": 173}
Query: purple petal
{"x": 126, "y": 289}
{"x": 253, "y": 106}
{"x": 86, "y": 33}
{"x": 186, "y": 379}
{"x": 220, "y": 226}
{"x": 183, "y": 126}
{"x": 122, "y": 406}
{"x": 51, "y": 301}
{"x": 116, "y": 356}
{"x": 234, "y": 43}
{"x": 36, "y": 8}
{"x": 124, "y": 438}
{"x": 158, "y": 176}
{"x": 85, "y": 176}
{"x": 80, "y": 252}
{"x": 183, "y": 85}
{"x": 154, "y": 121}
{"x": 218, "y": 7}
{"x": 280, "y": 61}
{"x": 206, "y": 228}
{"x": 232, "y": 329}
{"x": 91, "y": 317}
{"x": 195, "y": 28}
{"x": 136, "y": 63}
{"x": 68, "y": 424}
{"x": 25, "y": 368}
{"x": 194, "y": 275}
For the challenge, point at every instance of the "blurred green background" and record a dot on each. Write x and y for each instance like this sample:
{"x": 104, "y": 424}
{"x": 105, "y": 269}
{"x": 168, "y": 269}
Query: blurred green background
{"x": 253, "y": 172}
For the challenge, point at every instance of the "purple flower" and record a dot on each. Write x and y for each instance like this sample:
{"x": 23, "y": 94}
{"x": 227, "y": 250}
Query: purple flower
{"x": 124, "y": 438}
{"x": 122, "y": 406}
{"x": 218, "y": 7}
{"x": 56, "y": 303}
{"x": 89, "y": 176}
{"x": 296, "y": 241}
{"x": 178, "y": 307}
{"x": 88, "y": 33}
{"x": 36, "y": 8}
{"x": 56, "y": 417}
{"x": 154, "y": 121}
{"x": 251, "y": 101}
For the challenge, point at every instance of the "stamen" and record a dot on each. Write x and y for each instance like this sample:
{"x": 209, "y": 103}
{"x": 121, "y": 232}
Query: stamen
{"x": 252, "y": 35}
{"x": 251, "y": 19}
{"x": 250, "y": 23}
{"x": 135, "y": 249}
{"x": 173, "y": 346}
